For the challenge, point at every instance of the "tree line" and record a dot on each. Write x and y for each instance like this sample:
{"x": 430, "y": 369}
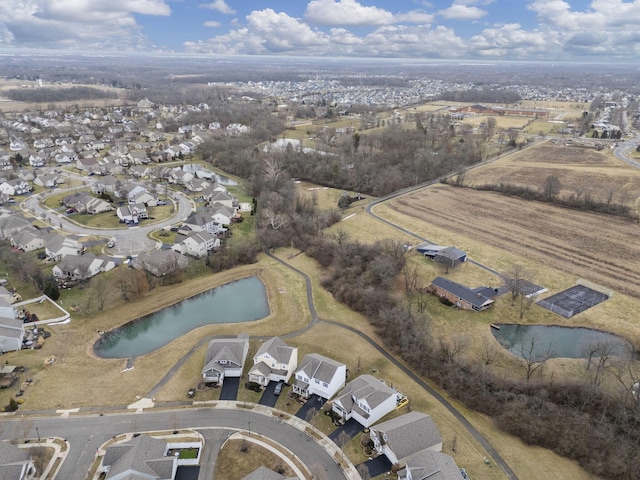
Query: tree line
{"x": 46, "y": 94}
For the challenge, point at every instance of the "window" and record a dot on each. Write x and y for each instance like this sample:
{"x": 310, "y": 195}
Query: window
{"x": 325, "y": 384}
{"x": 317, "y": 381}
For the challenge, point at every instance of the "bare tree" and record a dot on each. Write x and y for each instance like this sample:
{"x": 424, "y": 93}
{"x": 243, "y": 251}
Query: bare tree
{"x": 515, "y": 279}
{"x": 489, "y": 352}
{"x": 340, "y": 236}
{"x": 533, "y": 358}
{"x": 599, "y": 355}
{"x": 421, "y": 299}
{"x": 453, "y": 348}
{"x": 524, "y": 302}
{"x": 551, "y": 187}
{"x": 363, "y": 471}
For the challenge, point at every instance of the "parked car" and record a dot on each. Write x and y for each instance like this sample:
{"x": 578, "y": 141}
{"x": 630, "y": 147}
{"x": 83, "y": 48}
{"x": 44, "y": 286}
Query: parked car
{"x": 70, "y": 210}
{"x": 278, "y": 389}
{"x": 111, "y": 244}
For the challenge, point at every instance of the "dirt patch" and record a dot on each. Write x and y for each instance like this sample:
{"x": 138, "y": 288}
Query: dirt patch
{"x": 596, "y": 247}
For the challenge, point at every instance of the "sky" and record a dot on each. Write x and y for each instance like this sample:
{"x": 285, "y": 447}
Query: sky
{"x": 570, "y": 30}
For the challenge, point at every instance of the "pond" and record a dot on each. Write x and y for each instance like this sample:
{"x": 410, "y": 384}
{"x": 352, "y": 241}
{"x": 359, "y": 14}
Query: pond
{"x": 241, "y": 301}
{"x": 553, "y": 341}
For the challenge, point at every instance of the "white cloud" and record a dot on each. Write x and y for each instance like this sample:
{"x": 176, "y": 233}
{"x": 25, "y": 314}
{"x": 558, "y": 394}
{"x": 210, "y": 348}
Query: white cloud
{"x": 462, "y": 11}
{"x": 212, "y": 24}
{"x": 220, "y": 6}
{"x": 512, "y": 41}
{"x": 346, "y": 12}
{"x": 76, "y": 23}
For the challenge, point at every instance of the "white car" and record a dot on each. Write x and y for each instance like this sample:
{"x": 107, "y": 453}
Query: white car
{"x": 111, "y": 244}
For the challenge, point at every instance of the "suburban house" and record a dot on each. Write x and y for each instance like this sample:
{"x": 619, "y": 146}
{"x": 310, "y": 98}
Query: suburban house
{"x": 225, "y": 357}
{"x": 220, "y": 197}
{"x": 36, "y": 160}
{"x": 274, "y": 361}
{"x": 221, "y": 214}
{"x": 15, "y": 463}
{"x": 366, "y": 399}
{"x": 201, "y": 221}
{"x": 11, "y": 329}
{"x": 197, "y": 244}
{"x": 17, "y": 186}
{"x": 84, "y": 203}
{"x": 264, "y": 473}
{"x": 430, "y": 465}
{"x": 10, "y": 224}
{"x": 28, "y": 239}
{"x": 57, "y": 247}
{"x": 137, "y": 194}
{"x": 141, "y": 457}
{"x": 65, "y": 158}
{"x": 402, "y": 437}
{"x": 461, "y": 296}
{"x": 319, "y": 375}
{"x": 160, "y": 263}
{"x": 106, "y": 184}
{"x": 81, "y": 267}
{"x": 132, "y": 213}
{"x": 87, "y": 164}
{"x": 46, "y": 180}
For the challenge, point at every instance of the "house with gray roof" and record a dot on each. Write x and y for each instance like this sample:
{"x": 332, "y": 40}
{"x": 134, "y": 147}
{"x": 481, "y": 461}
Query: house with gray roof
{"x": 264, "y": 473}
{"x": 462, "y": 296}
{"x": 197, "y": 244}
{"x": 57, "y": 247}
{"x": 161, "y": 263}
{"x": 142, "y": 457}
{"x": 201, "y": 221}
{"x": 15, "y": 463}
{"x": 366, "y": 399}
{"x": 274, "y": 361}
{"x": 28, "y": 239}
{"x": 10, "y": 224}
{"x": 402, "y": 437}
{"x": 430, "y": 465}
{"x": 221, "y": 197}
{"x": 11, "y": 329}
{"x": 81, "y": 267}
{"x": 225, "y": 357}
{"x": 319, "y": 375}
{"x": 84, "y": 203}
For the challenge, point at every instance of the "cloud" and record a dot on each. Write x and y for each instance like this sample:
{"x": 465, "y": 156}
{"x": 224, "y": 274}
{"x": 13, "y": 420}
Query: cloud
{"x": 460, "y": 10}
{"x": 212, "y": 24}
{"x": 510, "y": 41}
{"x": 76, "y": 23}
{"x": 346, "y": 12}
{"x": 220, "y": 6}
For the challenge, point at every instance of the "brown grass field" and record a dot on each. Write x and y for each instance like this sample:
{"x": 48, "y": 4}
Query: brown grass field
{"x": 596, "y": 247}
{"x": 598, "y": 173}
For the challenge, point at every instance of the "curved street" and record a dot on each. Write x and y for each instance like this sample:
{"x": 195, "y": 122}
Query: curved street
{"x": 87, "y": 433}
{"x": 128, "y": 240}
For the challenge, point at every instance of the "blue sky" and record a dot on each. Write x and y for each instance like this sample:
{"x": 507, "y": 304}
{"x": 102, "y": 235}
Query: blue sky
{"x": 590, "y": 30}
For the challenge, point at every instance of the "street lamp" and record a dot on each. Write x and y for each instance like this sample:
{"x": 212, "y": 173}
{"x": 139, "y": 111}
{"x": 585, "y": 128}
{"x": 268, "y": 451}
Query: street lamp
{"x": 249, "y": 428}
{"x": 38, "y": 433}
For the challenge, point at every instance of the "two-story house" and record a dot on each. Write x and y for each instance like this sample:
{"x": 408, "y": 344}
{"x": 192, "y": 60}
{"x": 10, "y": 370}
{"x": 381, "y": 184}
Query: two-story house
{"x": 225, "y": 357}
{"x": 274, "y": 361}
{"x": 402, "y": 437}
{"x": 319, "y": 375}
{"x": 365, "y": 399}
{"x": 197, "y": 244}
{"x": 430, "y": 465}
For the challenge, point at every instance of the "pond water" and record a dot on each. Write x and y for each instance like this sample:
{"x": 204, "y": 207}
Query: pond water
{"x": 241, "y": 301}
{"x": 553, "y": 341}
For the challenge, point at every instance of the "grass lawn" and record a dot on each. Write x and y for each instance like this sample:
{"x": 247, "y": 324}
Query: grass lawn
{"x": 238, "y": 458}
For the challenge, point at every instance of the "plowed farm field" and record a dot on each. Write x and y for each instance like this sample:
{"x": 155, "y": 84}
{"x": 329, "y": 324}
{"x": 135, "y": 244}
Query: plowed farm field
{"x": 599, "y": 248}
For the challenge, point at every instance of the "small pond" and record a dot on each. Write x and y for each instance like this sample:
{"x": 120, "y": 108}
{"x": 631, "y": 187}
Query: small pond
{"x": 553, "y": 341}
{"x": 241, "y": 301}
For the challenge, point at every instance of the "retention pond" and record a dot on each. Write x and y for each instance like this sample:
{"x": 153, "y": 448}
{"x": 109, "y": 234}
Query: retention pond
{"x": 553, "y": 341}
{"x": 241, "y": 301}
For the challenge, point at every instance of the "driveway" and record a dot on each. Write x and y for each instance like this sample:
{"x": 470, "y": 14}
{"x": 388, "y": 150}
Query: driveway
{"x": 187, "y": 473}
{"x": 351, "y": 428}
{"x": 377, "y": 466}
{"x": 268, "y": 398}
{"x": 314, "y": 401}
{"x": 230, "y": 389}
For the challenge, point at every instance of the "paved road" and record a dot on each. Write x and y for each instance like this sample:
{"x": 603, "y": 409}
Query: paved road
{"x": 128, "y": 240}
{"x": 87, "y": 433}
